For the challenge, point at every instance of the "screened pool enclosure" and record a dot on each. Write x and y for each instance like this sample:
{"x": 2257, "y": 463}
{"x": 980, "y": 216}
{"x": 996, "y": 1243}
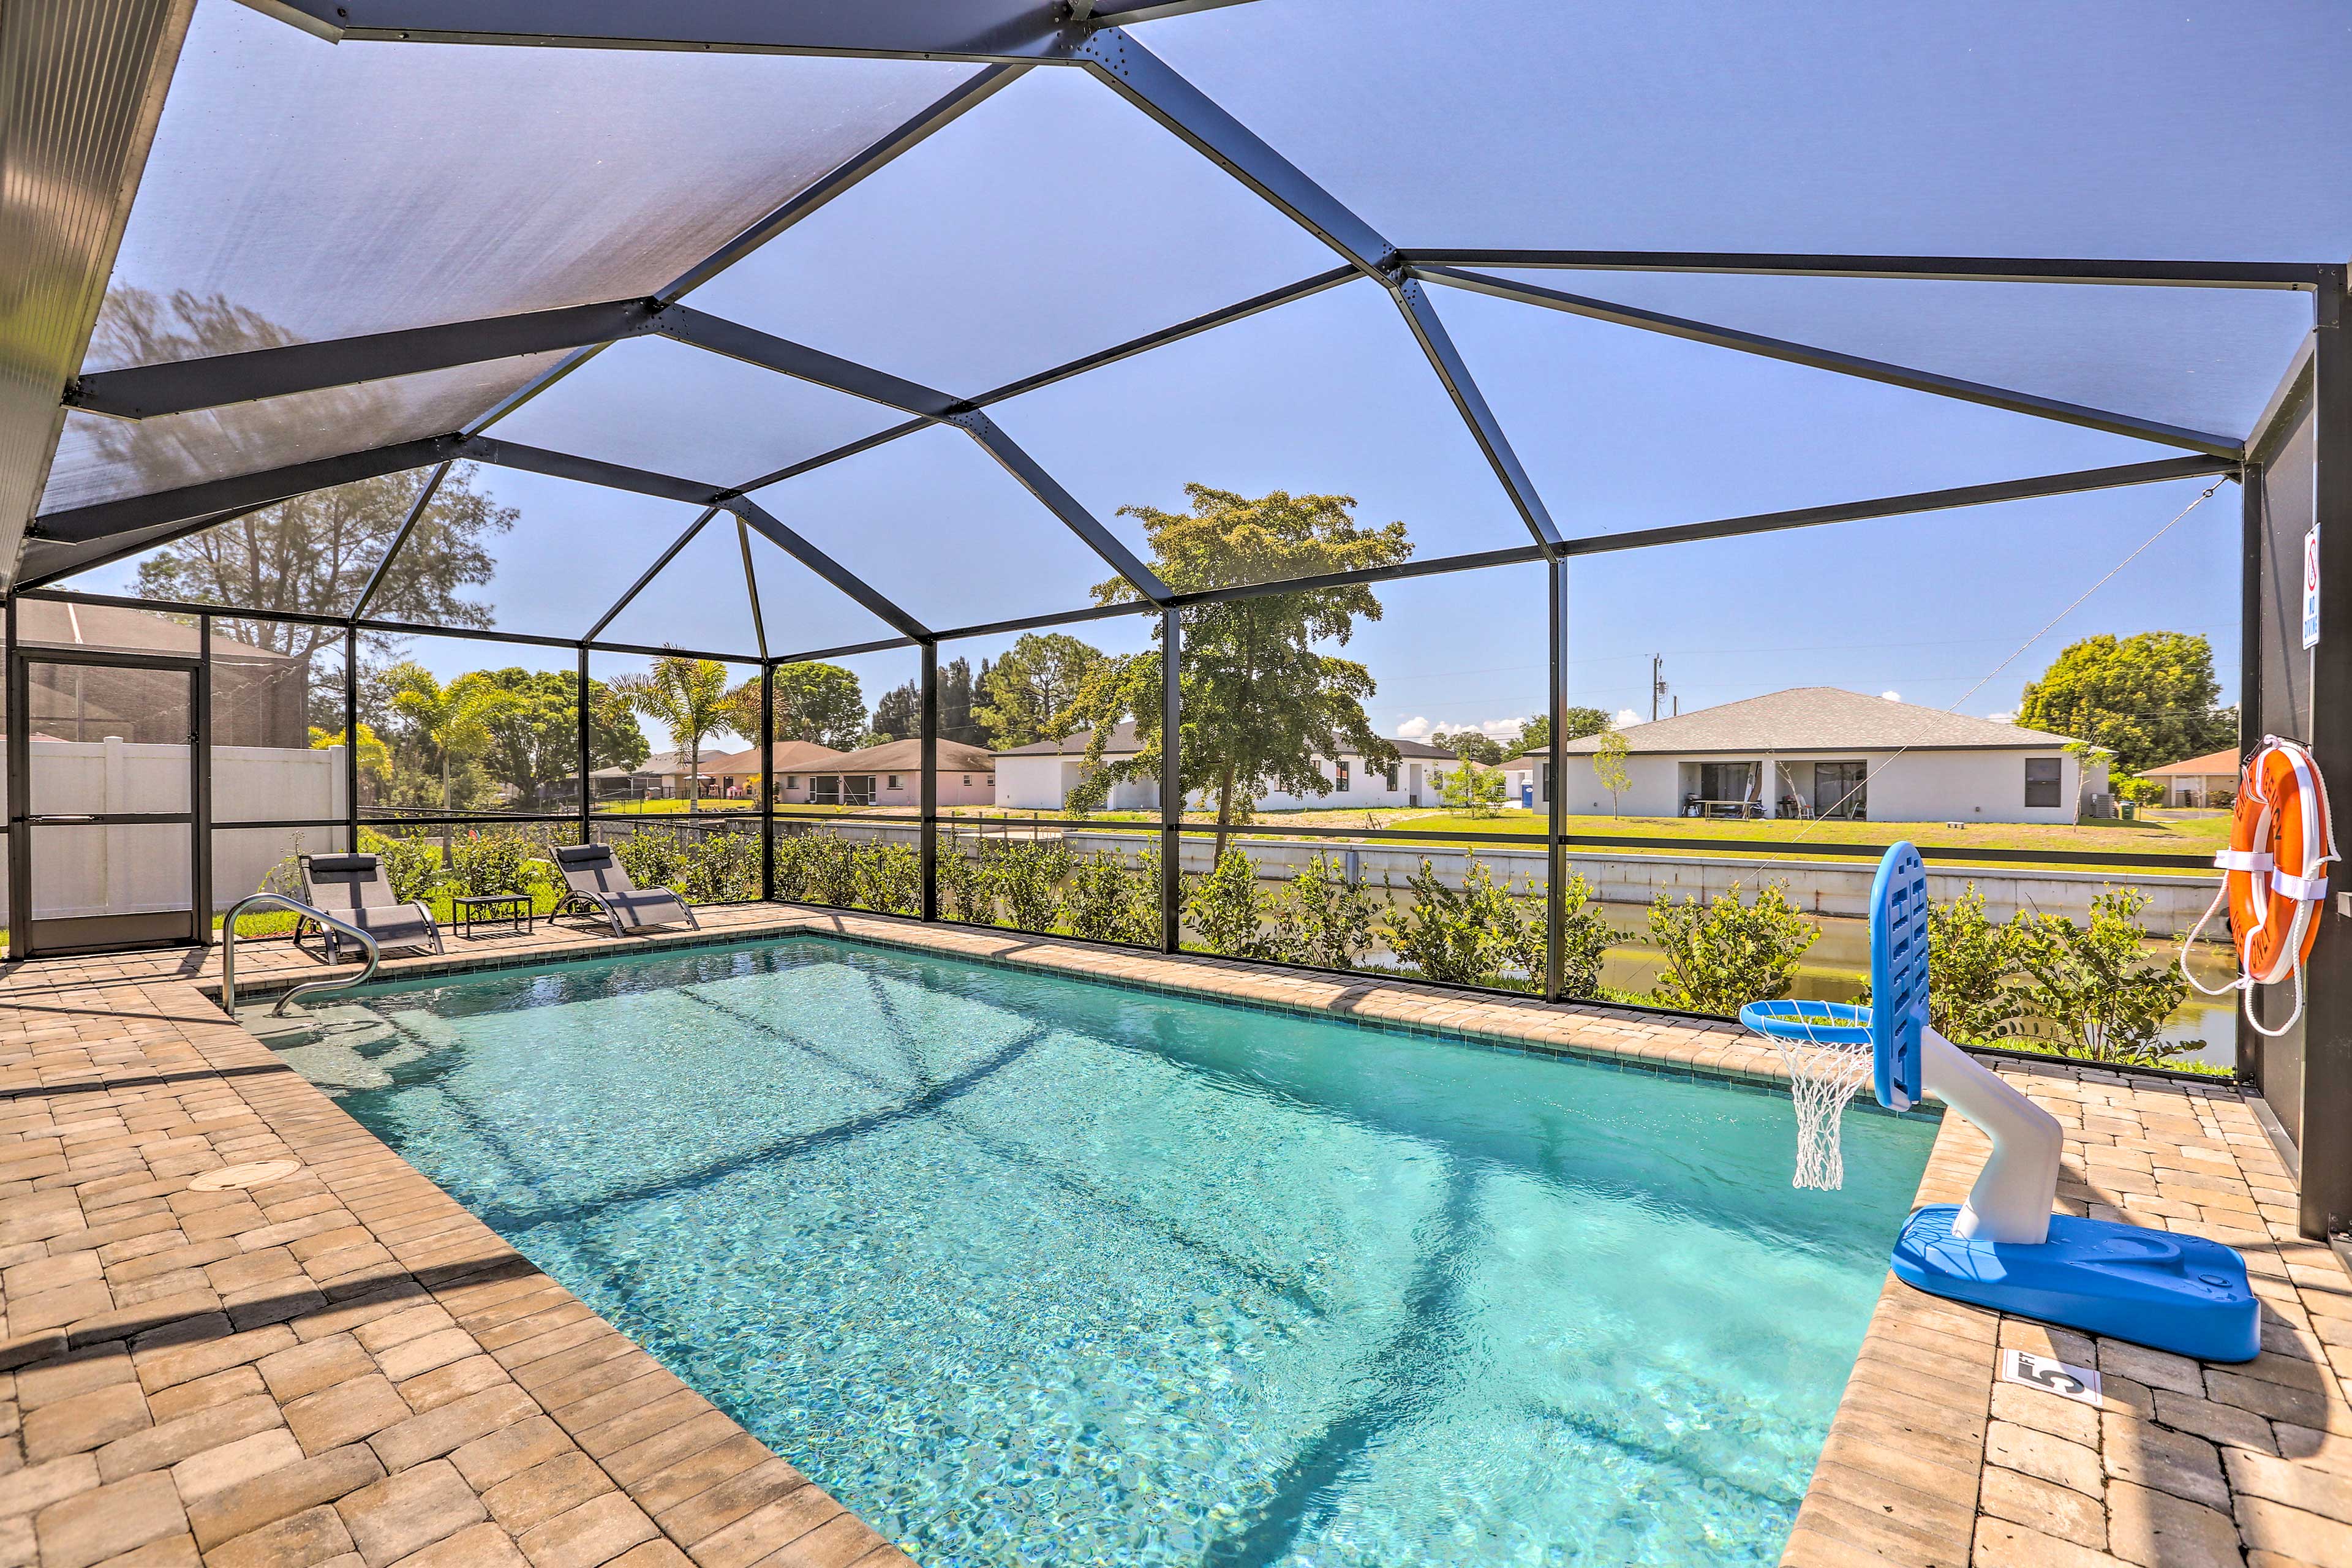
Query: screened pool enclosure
{"x": 431, "y": 275}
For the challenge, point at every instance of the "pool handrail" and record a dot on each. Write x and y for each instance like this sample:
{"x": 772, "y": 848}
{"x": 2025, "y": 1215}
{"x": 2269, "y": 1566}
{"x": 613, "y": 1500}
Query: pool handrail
{"x": 332, "y": 983}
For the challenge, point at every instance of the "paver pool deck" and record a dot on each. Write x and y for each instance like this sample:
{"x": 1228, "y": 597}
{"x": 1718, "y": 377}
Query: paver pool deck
{"x": 340, "y": 1365}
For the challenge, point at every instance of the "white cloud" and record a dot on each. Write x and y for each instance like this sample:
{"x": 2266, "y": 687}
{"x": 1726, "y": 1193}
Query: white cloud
{"x": 1626, "y": 716}
{"x": 1892, "y": 696}
{"x": 2002, "y": 718}
{"x": 1414, "y": 729}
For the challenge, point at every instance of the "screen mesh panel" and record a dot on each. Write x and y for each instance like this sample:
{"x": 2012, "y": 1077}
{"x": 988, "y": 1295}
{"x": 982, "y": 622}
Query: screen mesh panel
{"x": 334, "y": 190}
{"x": 1051, "y": 221}
{"x": 1625, "y": 430}
{"x": 1325, "y": 396}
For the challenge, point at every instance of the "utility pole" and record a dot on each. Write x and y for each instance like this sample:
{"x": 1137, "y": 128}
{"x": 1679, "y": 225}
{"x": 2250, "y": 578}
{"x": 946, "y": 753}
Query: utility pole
{"x": 1657, "y": 684}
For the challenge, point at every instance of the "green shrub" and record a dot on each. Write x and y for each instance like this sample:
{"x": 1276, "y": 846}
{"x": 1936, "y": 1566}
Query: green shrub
{"x": 652, "y": 856}
{"x": 1973, "y": 992}
{"x": 1723, "y": 954}
{"x": 1229, "y": 910}
{"x": 486, "y": 863}
{"x": 1025, "y": 876}
{"x": 720, "y": 868}
{"x": 1109, "y": 901}
{"x": 412, "y": 866}
{"x": 1471, "y": 935}
{"x": 1322, "y": 918}
{"x": 2095, "y": 986}
{"x": 829, "y": 869}
{"x": 965, "y": 891}
{"x": 2139, "y": 792}
{"x": 889, "y": 878}
{"x": 1584, "y": 939}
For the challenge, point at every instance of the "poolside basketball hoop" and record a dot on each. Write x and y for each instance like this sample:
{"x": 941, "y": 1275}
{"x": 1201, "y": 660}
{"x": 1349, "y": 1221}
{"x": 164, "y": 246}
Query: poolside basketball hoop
{"x": 2003, "y": 1248}
{"x": 1827, "y": 1048}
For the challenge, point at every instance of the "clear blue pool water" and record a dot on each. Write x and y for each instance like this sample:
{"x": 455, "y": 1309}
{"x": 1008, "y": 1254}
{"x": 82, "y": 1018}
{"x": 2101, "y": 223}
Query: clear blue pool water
{"x": 1028, "y": 1270}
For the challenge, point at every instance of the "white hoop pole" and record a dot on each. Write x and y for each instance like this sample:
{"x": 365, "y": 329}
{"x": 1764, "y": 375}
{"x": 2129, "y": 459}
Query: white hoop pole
{"x": 2012, "y": 1197}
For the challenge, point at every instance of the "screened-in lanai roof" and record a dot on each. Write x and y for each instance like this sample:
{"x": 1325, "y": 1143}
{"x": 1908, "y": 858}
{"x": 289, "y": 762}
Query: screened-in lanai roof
{"x": 881, "y": 314}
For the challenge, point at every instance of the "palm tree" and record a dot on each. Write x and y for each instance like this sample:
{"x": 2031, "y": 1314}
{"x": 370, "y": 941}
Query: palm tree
{"x": 687, "y": 697}
{"x": 450, "y": 720}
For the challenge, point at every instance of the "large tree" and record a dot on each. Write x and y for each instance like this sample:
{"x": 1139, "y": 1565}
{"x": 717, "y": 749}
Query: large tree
{"x": 687, "y": 697}
{"x": 821, "y": 703}
{"x": 445, "y": 724}
{"x": 534, "y": 731}
{"x": 314, "y": 554}
{"x": 1028, "y": 695}
{"x": 1263, "y": 699}
{"x": 1471, "y": 745}
{"x": 898, "y": 715}
{"x": 2150, "y": 698}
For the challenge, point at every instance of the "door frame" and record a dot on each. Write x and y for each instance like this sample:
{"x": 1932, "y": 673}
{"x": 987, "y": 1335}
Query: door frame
{"x": 72, "y": 934}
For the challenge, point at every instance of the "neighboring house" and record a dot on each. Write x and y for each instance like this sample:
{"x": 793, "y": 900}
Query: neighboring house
{"x": 1040, "y": 777}
{"x": 662, "y": 776}
{"x": 2200, "y": 781}
{"x": 1832, "y": 753}
{"x": 737, "y": 775}
{"x": 891, "y": 774}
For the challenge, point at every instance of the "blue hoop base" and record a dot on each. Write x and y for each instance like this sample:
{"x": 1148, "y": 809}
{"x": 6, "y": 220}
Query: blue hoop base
{"x": 2178, "y": 1293}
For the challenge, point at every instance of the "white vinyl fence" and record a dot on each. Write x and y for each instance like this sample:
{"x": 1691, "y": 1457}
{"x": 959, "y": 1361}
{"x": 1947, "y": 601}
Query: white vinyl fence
{"x": 96, "y": 870}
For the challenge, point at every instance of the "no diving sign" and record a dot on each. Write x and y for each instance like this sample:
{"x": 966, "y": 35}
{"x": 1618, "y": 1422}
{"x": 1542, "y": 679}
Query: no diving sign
{"x": 2311, "y": 588}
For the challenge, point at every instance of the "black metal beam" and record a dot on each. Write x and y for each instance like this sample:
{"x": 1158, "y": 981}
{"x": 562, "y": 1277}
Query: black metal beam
{"x": 2325, "y": 1129}
{"x": 1145, "y": 80}
{"x": 2156, "y": 472}
{"x": 685, "y": 538}
{"x": 980, "y": 30}
{"x": 147, "y": 390}
{"x": 589, "y": 470}
{"x": 99, "y": 519}
{"x": 1950, "y": 269}
{"x": 825, "y": 566}
{"x": 1839, "y": 363}
{"x": 802, "y": 362}
{"x": 880, "y": 645}
{"x": 407, "y": 524}
{"x": 49, "y": 561}
{"x": 1172, "y": 780}
{"x": 1120, "y": 13}
{"x": 1061, "y": 503}
{"x": 1471, "y": 404}
{"x": 752, "y": 590}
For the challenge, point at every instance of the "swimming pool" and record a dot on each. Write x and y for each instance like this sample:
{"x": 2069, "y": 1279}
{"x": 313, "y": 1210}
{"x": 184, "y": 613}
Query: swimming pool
{"x": 1030, "y": 1271}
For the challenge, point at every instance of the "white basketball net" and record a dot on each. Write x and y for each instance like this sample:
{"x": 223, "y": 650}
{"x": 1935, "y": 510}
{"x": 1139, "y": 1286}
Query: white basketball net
{"x": 1823, "y": 1075}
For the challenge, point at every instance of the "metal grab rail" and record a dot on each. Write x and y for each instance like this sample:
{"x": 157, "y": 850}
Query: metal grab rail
{"x": 228, "y": 950}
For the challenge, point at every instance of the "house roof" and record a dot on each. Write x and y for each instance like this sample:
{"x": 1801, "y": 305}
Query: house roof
{"x": 1123, "y": 744}
{"x": 60, "y": 622}
{"x": 789, "y": 755}
{"x": 2211, "y": 763}
{"x": 1821, "y": 719}
{"x": 906, "y": 757}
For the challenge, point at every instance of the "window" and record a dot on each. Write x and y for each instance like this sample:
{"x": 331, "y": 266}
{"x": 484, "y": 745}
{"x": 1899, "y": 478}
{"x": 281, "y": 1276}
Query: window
{"x": 1341, "y": 768}
{"x": 791, "y": 782}
{"x": 967, "y": 781}
{"x": 1389, "y": 777}
{"x": 893, "y": 781}
{"x": 2042, "y": 781}
{"x": 1543, "y": 782}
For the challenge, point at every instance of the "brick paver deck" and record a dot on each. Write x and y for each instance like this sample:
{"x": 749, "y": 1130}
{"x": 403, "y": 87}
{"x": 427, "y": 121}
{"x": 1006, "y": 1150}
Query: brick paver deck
{"x": 239, "y": 1329}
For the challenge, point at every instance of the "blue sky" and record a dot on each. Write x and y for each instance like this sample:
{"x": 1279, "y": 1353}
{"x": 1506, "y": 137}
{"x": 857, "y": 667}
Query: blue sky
{"x": 1055, "y": 218}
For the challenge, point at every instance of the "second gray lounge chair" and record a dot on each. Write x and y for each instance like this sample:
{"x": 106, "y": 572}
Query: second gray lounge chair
{"x": 352, "y": 887}
{"x": 598, "y": 880}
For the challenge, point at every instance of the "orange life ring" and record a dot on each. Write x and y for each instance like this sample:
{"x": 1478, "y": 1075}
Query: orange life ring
{"x": 2280, "y": 843}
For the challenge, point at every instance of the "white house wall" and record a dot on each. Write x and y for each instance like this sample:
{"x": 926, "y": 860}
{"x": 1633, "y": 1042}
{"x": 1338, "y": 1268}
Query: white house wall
{"x": 1912, "y": 786}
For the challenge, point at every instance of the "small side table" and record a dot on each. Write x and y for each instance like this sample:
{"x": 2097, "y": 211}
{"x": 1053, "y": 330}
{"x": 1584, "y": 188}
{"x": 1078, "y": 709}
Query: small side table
{"x": 490, "y": 909}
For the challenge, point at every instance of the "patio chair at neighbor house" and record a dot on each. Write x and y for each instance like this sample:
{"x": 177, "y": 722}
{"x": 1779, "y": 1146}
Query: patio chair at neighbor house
{"x": 600, "y": 884}
{"x": 354, "y": 888}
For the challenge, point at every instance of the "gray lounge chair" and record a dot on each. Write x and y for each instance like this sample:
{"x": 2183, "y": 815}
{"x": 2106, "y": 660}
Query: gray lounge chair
{"x": 600, "y": 884}
{"x": 354, "y": 888}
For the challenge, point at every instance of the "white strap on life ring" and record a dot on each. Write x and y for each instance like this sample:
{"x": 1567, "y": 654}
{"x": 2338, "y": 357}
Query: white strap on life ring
{"x": 2307, "y": 891}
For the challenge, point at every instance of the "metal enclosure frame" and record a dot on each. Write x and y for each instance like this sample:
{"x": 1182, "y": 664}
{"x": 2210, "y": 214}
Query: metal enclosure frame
{"x": 1006, "y": 39}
